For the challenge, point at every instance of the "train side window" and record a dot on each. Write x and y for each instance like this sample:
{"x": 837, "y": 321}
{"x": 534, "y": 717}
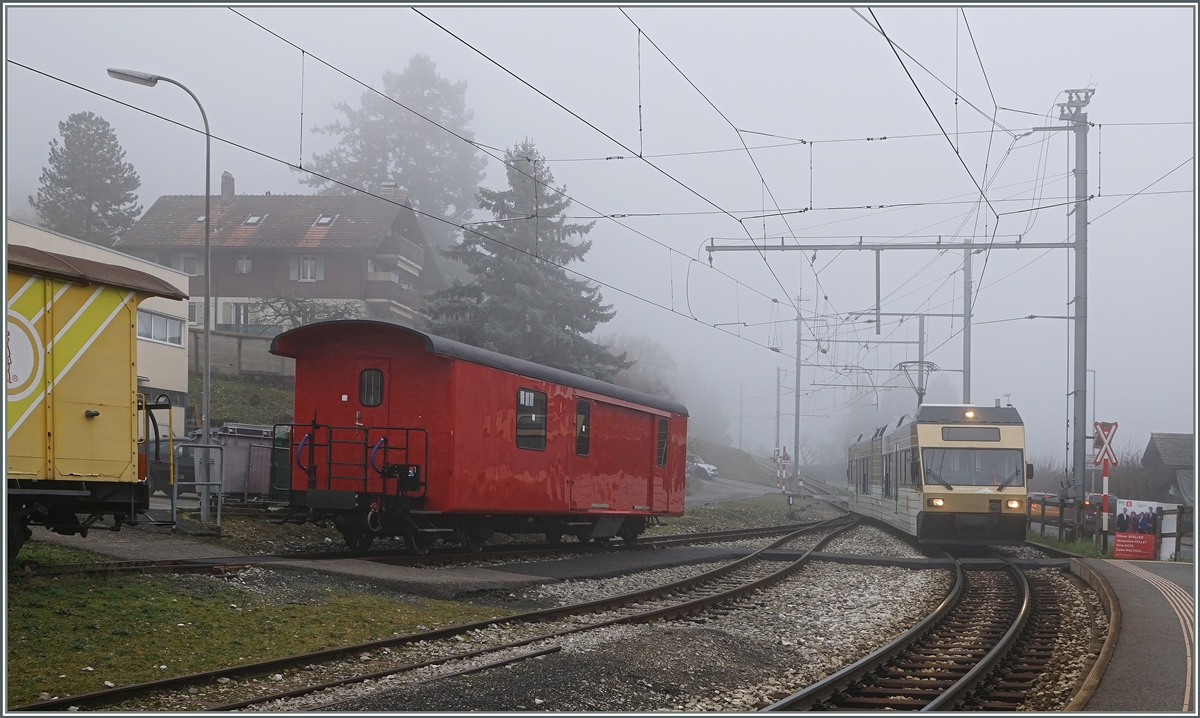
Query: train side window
{"x": 887, "y": 475}
{"x": 370, "y": 387}
{"x": 662, "y": 441}
{"x": 583, "y": 427}
{"x": 531, "y": 419}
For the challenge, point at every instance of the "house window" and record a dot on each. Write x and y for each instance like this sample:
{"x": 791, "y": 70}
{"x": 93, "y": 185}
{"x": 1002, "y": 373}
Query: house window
{"x": 241, "y": 313}
{"x": 583, "y": 427}
{"x": 307, "y": 268}
{"x": 243, "y": 265}
{"x": 662, "y": 441}
{"x": 195, "y": 312}
{"x": 370, "y": 387}
{"x": 531, "y": 419}
{"x": 255, "y": 219}
{"x": 324, "y": 220}
{"x": 190, "y": 264}
{"x": 159, "y": 328}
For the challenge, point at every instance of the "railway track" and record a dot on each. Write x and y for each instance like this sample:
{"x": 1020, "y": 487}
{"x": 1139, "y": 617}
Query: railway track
{"x": 226, "y": 564}
{"x": 663, "y": 602}
{"x": 981, "y": 649}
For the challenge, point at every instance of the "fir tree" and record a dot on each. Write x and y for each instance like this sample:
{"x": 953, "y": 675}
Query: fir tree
{"x": 382, "y": 142}
{"x": 87, "y": 188}
{"x": 522, "y": 301}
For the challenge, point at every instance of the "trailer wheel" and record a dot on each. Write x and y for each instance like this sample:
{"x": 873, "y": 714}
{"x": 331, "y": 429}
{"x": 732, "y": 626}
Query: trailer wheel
{"x": 18, "y": 533}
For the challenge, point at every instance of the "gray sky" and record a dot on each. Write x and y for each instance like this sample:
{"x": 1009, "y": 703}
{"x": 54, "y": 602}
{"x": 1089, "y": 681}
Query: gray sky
{"x": 818, "y": 74}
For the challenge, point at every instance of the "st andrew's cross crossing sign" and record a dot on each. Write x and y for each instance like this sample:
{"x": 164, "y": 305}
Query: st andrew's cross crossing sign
{"x": 1104, "y": 443}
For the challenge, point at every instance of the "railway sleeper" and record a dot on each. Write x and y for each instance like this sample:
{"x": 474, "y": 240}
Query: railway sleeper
{"x": 899, "y": 691}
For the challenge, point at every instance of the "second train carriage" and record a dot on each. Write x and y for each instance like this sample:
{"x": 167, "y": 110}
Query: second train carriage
{"x": 405, "y": 433}
{"x": 949, "y": 474}
{"x": 73, "y": 419}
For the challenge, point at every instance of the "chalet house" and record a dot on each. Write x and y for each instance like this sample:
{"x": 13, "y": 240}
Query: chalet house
{"x": 1173, "y": 454}
{"x": 282, "y": 260}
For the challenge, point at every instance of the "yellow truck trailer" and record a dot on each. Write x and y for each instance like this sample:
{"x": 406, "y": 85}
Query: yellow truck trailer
{"x": 71, "y": 372}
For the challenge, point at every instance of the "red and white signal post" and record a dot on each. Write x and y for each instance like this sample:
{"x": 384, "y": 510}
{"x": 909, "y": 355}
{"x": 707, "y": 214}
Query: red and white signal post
{"x": 1105, "y": 457}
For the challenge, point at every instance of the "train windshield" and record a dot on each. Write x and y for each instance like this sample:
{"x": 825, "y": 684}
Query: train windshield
{"x": 974, "y": 467}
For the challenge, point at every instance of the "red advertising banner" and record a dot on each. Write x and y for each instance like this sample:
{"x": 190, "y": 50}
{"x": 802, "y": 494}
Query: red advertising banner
{"x": 1131, "y": 545}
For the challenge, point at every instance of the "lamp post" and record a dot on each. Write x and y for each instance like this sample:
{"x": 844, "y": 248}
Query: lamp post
{"x": 149, "y": 80}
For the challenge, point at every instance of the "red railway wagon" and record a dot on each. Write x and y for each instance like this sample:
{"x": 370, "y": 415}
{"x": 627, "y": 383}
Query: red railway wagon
{"x": 403, "y": 433}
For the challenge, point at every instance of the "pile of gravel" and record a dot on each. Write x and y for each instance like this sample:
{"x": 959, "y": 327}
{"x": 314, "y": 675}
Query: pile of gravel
{"x": 872, "y": 541}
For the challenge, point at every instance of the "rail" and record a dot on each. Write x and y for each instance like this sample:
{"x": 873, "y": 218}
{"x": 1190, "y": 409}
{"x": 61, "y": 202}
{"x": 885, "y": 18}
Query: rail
{"x": 632, "y": 599}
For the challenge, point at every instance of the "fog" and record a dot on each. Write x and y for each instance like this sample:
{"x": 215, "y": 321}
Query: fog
{"x": 823, "y": 75}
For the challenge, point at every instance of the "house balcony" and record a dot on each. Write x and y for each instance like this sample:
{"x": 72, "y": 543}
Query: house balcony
{"x": 391, "y": 291}
{"x": 406, "y": 254}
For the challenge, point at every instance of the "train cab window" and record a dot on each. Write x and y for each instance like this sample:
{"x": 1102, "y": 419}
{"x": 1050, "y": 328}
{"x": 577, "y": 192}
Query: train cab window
{"x": 370, "y": 387}
{"x": 583, "y": 427}
{"x": 662, "y": 441}
{"x": 531, "y": 419}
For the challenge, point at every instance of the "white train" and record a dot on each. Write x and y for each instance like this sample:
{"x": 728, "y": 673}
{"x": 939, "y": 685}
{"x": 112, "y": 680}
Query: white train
{"x": 948, "y": 474}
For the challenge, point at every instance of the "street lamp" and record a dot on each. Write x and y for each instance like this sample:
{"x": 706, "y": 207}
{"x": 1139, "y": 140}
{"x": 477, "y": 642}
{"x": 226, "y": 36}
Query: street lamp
{"x": 149, "y": 80}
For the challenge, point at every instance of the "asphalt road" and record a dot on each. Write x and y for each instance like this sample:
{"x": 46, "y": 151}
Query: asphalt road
{"x": 719, "y": 489}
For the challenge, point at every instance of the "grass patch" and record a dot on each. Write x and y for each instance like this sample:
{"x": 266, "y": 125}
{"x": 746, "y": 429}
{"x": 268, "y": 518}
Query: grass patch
{"x": 259, "y": 400}
{"x": 251, "y": 534}
{"x": 46, "y": 554}
{"x": 732, "y": 463}
{"x": 68, "y": 636}
{"x": 1084, "y": 547}
{"x": 766, "y": 510}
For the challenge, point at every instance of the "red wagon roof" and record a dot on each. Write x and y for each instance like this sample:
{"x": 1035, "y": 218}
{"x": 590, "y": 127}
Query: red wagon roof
{"x": 290, "y": 343}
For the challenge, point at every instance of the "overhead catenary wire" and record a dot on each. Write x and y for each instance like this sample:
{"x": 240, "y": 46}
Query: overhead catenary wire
{"x": 594, "y": 127}
{"x": 492, "y": 152}
{"x": 762, "y": 179}
{"x": 389, "y": 200}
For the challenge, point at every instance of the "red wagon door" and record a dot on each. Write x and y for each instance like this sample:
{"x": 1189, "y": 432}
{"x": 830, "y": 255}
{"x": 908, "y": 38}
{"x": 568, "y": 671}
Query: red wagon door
{"x": 368, "y": 403}
{"x": 657, "y": 500}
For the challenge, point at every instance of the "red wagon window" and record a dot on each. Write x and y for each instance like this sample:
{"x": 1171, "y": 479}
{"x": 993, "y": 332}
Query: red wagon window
{"x": 662, "y": 441}
{"x": 370, "y": 387}
{"x": 583, "y": 427}
{"x": 531, "y": 419}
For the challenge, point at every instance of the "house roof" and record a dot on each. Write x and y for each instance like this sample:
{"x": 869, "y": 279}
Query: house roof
{"x": 288, "y": 221}
{"x": 1171, "y": 450}
{"x": 86, "y": 271}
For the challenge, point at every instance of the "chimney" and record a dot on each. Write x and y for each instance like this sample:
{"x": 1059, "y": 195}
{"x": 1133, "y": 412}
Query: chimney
{"x": 226, "y": 188}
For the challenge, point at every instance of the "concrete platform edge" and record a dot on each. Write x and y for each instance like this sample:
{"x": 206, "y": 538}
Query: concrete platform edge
{"x": 1108, "y": 599}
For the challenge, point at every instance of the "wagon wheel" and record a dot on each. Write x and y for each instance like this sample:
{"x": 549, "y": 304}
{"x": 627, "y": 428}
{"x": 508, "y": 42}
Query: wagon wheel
{"x": 629, "y": 537}
{"x": 419, "y": 544}
{"x": 554, "y": 537}
{"x": 601, "y": 540}
{"x": 476, "y": 542}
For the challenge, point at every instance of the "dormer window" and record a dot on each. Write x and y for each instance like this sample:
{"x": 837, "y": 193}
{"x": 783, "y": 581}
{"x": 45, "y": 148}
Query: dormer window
{"x": 324, "y": 220}
{"x": 199, "y": 219}
{"x": 255, "y": 219}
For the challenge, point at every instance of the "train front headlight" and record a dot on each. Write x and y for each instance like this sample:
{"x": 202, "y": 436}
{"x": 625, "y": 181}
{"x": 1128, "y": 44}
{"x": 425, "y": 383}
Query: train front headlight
{"x": 1014, "y": 503}
{"x": 937, "y": 502}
